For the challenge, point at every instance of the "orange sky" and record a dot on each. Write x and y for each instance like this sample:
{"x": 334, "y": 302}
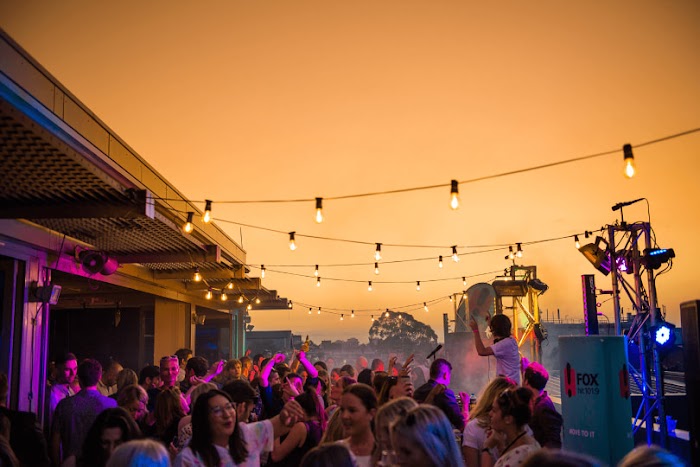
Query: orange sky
{"x": 282, "y": 100}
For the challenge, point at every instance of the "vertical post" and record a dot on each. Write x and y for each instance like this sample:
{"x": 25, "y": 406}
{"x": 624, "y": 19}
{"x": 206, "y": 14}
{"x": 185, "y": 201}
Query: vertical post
{"x": 615, "y": 285}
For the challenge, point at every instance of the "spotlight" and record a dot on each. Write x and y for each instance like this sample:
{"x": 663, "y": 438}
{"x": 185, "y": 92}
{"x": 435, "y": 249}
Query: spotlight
{"x": 664, "y": 335}
{"x": 599, "y": 257}
{"x": 538, "y": 285}
{"x": 654, "y": 257}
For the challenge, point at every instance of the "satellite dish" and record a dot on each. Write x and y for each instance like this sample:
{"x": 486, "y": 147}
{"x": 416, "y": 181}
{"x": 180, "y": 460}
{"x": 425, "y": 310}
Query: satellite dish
{"x": 481, "y": 303}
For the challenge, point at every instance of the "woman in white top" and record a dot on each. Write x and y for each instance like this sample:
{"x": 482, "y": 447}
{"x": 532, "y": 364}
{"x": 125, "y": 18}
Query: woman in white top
{"x": 218, "y": 440}
{"x": 504, "y": 347}
{"x": 358, "y": 406}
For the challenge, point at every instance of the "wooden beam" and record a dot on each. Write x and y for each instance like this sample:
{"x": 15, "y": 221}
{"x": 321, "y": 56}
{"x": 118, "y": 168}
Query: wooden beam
{"x": 250, "y": 283}
{"x": 186, "y": 275}
{"x": 211, "y": 254}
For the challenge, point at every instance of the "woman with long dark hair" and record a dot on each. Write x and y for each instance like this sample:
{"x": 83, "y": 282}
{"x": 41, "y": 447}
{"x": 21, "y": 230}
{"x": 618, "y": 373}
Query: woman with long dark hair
{"x": 219, "y": 440}
{"x": 111, "y": 428}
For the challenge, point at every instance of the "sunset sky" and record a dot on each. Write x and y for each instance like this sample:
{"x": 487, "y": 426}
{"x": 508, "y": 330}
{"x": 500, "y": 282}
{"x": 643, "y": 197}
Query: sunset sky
{"x": 259, "y": 100}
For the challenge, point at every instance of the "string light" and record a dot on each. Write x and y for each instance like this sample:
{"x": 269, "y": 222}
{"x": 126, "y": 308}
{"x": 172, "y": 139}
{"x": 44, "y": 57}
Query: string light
{"x": 188, "y": 227}
{"x": 425, "y": 306}
{"x": 319, "y": 311}
{"x": 290, "y": 304}
{"x": 376, "y": 268}
{"x": 316, "y": 271}
{"x": 511, "y": 255}
{"x": 372, "y": 317}
{"x": 576, "y": 242}
{"x": 454, "y": 194}
{"x": 249, "y": 307}
{"x": 224, "y": 297}
{"x": 240, "y": 299}
{"x": 519, "y": 253}
{"x": 386, "y": 315}
{"x": 629, "y": 161}
{"x": 197, "y": 277}
{"x": 418, "y": 286}
{"x": 440, "y": 262}
{"x": 229, "y": 285}
{"x": 464, "y": 294}
{"x": 309, "y": 310}
{"x": 318, "y": 282}
{"x": 257, "y": 300}
{"x": 464, "y": 281}
{"x": 207, "y": 211}
{"x": 262, "y": 271}
{"x": 342, "y": 317}
{"x": 319, "y": 210}
{"x": 353, "y": 314}
{"x": 369, "y": 286}
{"x": 455, "y": 256}
{"x": 208, "y": 294}
{"x": 292, "y": 243}
{"x": 451, "y": 299}
{"x": 378, "y": 252}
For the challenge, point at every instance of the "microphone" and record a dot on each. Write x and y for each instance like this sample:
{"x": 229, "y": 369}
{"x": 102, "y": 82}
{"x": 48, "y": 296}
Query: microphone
{"x": 432, "y": 354}
{"x": 619, "y": 206}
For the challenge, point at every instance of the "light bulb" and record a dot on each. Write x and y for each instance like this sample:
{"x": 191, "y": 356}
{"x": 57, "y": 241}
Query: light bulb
{"x": 511, "y": 255}
{"x": 249, "y": 307}
{"x": 292, "y": 243}
{"x": 353, "y": 314}
{"x": 316, "y": 271}
{"x": 455, "y": 256}
{"x": 319, "y": 210}
{"x": 376, "y": 268}
{"x": 188, "y": 227}
{"x": 519, "y": 253}
{"x": 451, "y": 299}
{"x": 342, "y": 317}
{"x": 425, "y": 306}
{"x": 207, "y": 211}
{"x": 369, "y": 286}
{"x": 257, "y": 300}
{"x": 629, "y": 161}
{"x": 378, "y": 252}
{"x": 262, "y": 271}
{"x": 240, "y": 299}
{"x": 208, "y": 294}
{"x": 418, "y": 285}
{"x": 319, "y": 311}
{"x": 309, "y": 310}
{"x": 224, "y": 297}
{"x": 576, "y": 242}
{"x": 464, "y": 281}
{"x": 290, "y": 304}
{"x": 386, "y": 315}
{"x": 464, "y": 294}
{"x": 372, "y": 317}
{"x": 197, "y": 276}
{"x": 440, "y": 262}
{"x": 230, "y": 285}
{"x": 318, "y": 282}
{"x": 454, "y": 194}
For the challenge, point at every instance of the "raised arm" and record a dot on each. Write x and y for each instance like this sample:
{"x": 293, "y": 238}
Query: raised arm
{"x": 310, "y": 369}
{"x": 480, "y": 348}
{"x": 267, "y": 369}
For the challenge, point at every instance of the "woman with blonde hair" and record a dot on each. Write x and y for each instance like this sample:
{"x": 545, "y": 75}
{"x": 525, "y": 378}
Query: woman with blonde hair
{"x": 386, "y": 415}
{"x": 424, "y": 437}
{"x": 474, "y": 434}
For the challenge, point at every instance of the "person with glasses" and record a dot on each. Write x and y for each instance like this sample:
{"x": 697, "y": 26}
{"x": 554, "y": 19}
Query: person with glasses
{"x": 424, "y": 437}
{"x": 218, "y": 440}
{"x": 510, "y": 413}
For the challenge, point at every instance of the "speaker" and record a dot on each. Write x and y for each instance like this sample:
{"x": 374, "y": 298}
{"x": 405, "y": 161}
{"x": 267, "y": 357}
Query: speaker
{"x": 94, "y": 262}
{"x": 690, "y": 329}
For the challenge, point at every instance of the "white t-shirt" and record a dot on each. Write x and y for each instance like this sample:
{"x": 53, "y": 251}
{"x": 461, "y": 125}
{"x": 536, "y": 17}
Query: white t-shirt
{"x": 259, "y": 437}
{"x": 507, "y": 358}
{"x": 474, "y": 436}
{"x": 360, "y": 461}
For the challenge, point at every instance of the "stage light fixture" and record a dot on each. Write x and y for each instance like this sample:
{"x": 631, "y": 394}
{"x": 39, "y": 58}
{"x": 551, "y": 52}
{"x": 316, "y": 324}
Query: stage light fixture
{"x": 538, "y": 285}
{"x": 598, "y": 257}
{"x": 664, "y": 335}
{"x": 653, "y": 258}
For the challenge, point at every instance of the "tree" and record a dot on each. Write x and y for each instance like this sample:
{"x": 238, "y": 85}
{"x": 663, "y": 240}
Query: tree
{"x": 401, "y": 331}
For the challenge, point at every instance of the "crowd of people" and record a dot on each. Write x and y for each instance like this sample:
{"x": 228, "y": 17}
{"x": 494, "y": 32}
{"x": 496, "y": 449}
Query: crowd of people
{"x": 287, "y": 412}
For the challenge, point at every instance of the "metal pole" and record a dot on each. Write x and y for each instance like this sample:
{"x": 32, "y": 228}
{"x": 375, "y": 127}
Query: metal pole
{"x": 615, "y": 285}
{"x": 658, "y": 371}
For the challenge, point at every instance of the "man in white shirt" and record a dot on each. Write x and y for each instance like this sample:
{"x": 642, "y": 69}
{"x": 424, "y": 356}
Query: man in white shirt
{"x": 504, "y": 347}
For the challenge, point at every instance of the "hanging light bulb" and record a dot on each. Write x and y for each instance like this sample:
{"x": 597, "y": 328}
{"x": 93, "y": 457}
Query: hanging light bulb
{"x": 290, "y": 304}
{"x": 207, "y": 211}
{"x": 519, "y": 252}
{"x": 249, "y": 307}
{"x": 425, "y": 306}
{"x": 262, "y": 271}
{"x": 208, "y": 294}
{"x": 376, "y": 268}
{"x": 454, "y": 194}
{"x": 316, "y": 271}
{"x": 440, "y": 262}
{"x": 576, "y": 242}
{"x": 309, "y": 310}
{"x": 629, "y": 161}
{"x": 378, "y": 252}
{"x": 188, "y": 227}
{"x": 451, "y": 299}
{"x": 400, "y": 316}
{"x": 318, "y": 282}
{"x": 418, "y": 285}
{"x": 342, "y": 317}
{"x": 511, "y": 255}
{"x": 353, "y": 314}
{"x": 229, "y": 285}
{"x": 369, "y": 286}
{"x": 257, "y": 300}
{"x": 319, "y": 210}
{"x": 455, "y": 256}
{"x": 372, "y": 318}
{"x": 224, "y": 297}
{"x": 319, "y": 311}
{"x": 292, "y": 243}
{"x": 464, "y": 294}
{"x": 386, "y": 315}
{"x": 240, "y": 299}
{"x": 464, "y": 281}
{"x": 197, "y": 277}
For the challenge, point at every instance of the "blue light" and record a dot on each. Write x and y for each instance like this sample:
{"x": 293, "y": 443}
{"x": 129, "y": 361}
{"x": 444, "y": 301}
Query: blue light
{"x": 662, "y": 334}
